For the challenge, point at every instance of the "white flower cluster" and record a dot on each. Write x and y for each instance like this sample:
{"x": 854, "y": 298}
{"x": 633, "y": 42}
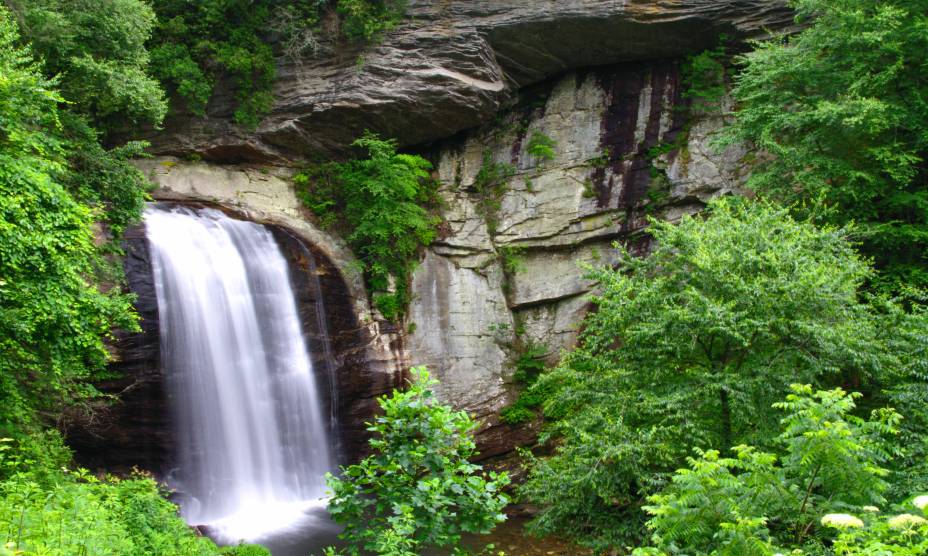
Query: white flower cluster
{"x": 841, "y": 521}
{"x": 905, "y": 521}
{"x": 920, "y": 502}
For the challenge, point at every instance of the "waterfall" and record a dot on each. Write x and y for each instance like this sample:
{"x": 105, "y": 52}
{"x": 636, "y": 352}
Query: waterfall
{"x": 251, "y": 435}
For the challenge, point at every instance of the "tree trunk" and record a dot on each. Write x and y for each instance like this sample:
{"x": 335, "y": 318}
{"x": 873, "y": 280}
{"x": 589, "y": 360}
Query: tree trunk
{"x": 726, "y": 420}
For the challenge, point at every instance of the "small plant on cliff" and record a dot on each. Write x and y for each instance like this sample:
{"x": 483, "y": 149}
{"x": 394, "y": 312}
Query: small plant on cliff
{"x": 541, "y": 146}
{"x": 490, "y": 186}
{"x": 704, "y": 79}
{"x": 418, "y": 489}
{"x": 382, "y": 203}
{"x": 368, "y": 20}
{"x": 529, "y": 364}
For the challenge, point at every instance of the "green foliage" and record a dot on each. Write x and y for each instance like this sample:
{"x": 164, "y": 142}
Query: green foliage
{"x": 829, "y": 461}
{"x": 529, "y": 365}
{"x": 541, "y": 146}
{"x": 53, "y": 316}
{"x": 97, "y": 47}
{"x": 842, "y": 110}
{"x": 46, "y": 509}
{"x": 511, "y": 258}
{"x": 689, "y": 346}
{"x": 104, "y": 180}
{"x": 197, "y": 43}
{"x": 418, "y": 489}
{"x": 368, "y": 20}
{"x": 490, "y": 186}
{"x": 381, "y": 203}
{"x": 704, "y": 79}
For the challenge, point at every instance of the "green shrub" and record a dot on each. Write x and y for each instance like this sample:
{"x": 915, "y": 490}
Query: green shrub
{"x": 418, "y": 488}
{"x": 382, "y": 204}
{"x": 529, "y": 365}
{"x": 829, "y": 461}
{"x": 541, "y": 146}
{"x": 46, "y": 509}
{"x": 904, "y": 534}
{"x": 690, "y": 345}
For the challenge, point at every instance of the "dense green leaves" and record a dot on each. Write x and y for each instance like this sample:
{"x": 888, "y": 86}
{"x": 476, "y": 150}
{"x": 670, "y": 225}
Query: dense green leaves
{"x": 45, "y": 509}
{"x": 53, "y": 317}
{"x": 690, "y": 346}
{"x": 97, "y": 48}
{"x": 418, "y": 488}
{"x": 827, "y": 460}
{"x": 842, "y": 111}
{"x": 381, "y": 202}
{"x": 367, "y": 20}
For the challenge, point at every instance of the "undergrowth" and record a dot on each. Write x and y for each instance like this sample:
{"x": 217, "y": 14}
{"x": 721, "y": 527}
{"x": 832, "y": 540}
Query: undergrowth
{"x": 385, "y": 204}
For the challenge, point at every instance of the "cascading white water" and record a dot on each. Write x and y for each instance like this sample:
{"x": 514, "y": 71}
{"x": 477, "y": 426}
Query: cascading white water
{"x": 252, "y": 442}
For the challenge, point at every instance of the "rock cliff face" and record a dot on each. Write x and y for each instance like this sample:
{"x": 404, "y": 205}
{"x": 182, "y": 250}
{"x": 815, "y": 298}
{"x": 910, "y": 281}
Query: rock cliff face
{"x": 452, "y": 65}
{"x": 608, "y": 126}
{"x": 469, "y": 83}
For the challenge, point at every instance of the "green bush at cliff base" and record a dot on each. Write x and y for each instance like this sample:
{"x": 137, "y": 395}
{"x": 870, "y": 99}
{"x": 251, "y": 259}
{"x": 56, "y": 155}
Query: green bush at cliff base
{"x": 382, "y": 204}
{"x": 47, "y": 509}
{"x": 419, "y": 488}
{"x": 826, "y": 460}
{"x": 691, "y": 345}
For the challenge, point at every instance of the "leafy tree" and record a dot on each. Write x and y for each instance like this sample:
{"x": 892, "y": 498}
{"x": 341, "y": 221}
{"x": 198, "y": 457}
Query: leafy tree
{"x": 97, "y": 47}
{"x": 830, "y": 461}
{"x": 689, "y": 346}
{"x": 382, "y": 204}
{"x": 53, "y": 315}
{"x": 418, "y": 489}
{"x": 841, "y": 112}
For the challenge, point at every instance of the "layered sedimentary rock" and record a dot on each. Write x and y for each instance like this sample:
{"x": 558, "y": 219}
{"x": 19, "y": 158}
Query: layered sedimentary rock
{"x": 625, "y": 148}
{"x": 450, "y": 66}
